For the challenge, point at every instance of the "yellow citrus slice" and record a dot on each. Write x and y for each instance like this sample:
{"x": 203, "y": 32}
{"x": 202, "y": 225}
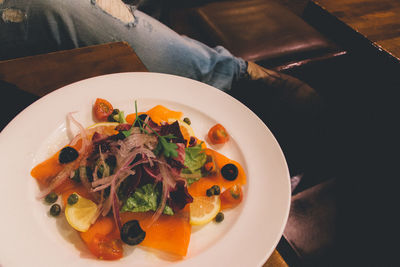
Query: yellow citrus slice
{"x": 81, "y": 214}
{"x": 185, "y": 128}
{"x": 204, "y": 209}
{"x": 104, "y": 123}
{"x": 109, "y": 127}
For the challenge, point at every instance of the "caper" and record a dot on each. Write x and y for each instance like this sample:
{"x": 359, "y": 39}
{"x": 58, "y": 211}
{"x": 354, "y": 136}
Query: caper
{"x": 51, "y": 198}
{"x": 209, "y": 192}
{"x": 131, "y": 233}
{"x": 213, "y": 191}
{"x": 55, "y": 210}
{"x": 229, "y": 171}
{"x": 72, "y": 199}
{"x": 187, "y": 120}
{"x": 219, "y": 217}
{"x": 68, "y": 154}
{"x": 216, "y": 189}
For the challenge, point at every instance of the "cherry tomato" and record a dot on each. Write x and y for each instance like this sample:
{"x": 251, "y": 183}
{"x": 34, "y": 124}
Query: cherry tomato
{"x": 231, "y": 197}
{"x": 102, "y": 109}
{"x": 106, "y": 247}
{"x": 218, "y": 135}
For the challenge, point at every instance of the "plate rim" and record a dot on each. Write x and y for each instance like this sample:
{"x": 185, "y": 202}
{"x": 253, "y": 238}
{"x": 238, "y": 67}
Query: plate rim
{"x": 15, "y": 121}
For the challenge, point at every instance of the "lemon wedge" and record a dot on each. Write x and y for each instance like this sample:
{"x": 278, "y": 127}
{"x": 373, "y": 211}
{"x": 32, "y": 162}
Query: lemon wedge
{"x": 204, "y": 209}
{"x": 104, "y": 123}
{"x": 109, "y": 127}
{"x": 81, "y": 214}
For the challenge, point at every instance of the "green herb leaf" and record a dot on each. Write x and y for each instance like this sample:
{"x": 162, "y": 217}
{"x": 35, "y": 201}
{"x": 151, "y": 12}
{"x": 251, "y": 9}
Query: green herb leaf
{"x": 145, "y": 198}
{"x": 169, "y": 149}
{"x": 126, "y": 133}
{"x": 195, "y": 158}
{"x": 169, "y": 136}
{"x": 121, "y": 117}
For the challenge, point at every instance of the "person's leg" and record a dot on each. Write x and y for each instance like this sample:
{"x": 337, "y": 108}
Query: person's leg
{"x": 294, "y": 113}
{"x": 154, "y": 8}
{"x": 285, "y": 104}
{"x": 38, "y": 26}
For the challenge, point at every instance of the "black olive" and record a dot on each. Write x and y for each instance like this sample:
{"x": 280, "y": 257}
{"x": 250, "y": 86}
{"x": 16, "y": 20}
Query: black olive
{"x": 55, "y": 210}
{"x": 229, "y": 171}
{"x": 132, "y": 234}
{"x": 68, "y": 154}
{"x": 51, "y": 198}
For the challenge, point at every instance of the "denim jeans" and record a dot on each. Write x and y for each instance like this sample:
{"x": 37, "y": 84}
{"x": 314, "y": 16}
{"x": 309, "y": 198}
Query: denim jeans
{"x": 30, "y": 27}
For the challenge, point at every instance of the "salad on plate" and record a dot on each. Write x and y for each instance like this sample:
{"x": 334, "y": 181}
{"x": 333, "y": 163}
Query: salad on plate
{"x": 139, "y": 180}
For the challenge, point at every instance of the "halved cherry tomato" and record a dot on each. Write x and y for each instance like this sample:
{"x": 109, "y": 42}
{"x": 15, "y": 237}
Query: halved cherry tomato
{"x": 231, "y": 197}
{"x": 106, "y": 247}
{"x": 218, "y": 135}
{"x": 102, "y": 109}
{"x": 103, "y": 239}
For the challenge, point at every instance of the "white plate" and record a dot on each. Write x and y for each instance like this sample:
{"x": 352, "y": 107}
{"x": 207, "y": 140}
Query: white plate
{"x": 247, "y": 236}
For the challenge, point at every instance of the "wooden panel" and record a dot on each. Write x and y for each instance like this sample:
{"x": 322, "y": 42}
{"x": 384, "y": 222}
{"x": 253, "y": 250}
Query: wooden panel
{"x": 42, "y": 74}
{"x": 376, "y": 20}
{"x": 275, "y": 260}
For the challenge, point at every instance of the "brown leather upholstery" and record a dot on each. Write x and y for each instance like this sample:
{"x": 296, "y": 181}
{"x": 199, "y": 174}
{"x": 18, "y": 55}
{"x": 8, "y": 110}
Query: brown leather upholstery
{"x": 311, "y": 227}
{"x": 262, "y": 31}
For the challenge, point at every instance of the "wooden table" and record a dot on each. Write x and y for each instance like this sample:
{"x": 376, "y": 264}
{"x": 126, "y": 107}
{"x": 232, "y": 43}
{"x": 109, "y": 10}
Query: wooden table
{"x": 39, "y": 75}
{"x": 42, "y": 74}
{"x": 374, "y": 21}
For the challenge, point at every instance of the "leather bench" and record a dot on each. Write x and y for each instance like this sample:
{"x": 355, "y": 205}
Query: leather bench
{"x": 263, "y": 31}
{"x": 311, "y": 227}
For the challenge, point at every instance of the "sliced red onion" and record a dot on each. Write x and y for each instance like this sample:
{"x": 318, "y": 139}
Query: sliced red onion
{"x": 168, "y": 182}
{"x": 69, "y": 168}
{"x": 181, "y": 153}
{"x": 83, "y": 133}
{"x": 95, "y": 178}
{"x": 115, "y": 205}
{"x": 161, "y": 206}
{"x": 61, "y": 177}
{"x": 156, "y": 176}
{"x": 107, "y": 206}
